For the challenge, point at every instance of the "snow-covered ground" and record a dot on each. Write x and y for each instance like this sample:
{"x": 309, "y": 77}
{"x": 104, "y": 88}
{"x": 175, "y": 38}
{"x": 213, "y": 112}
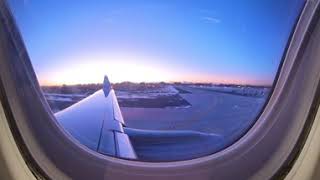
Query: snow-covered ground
{"x": 155, "y": 96}
{"x": 58, "y": 102}
{"x": 158, "y": 96}
{"x": 167, "y": 90}
{"x": 239, "y": 90}
{"x": 64, "y": 97}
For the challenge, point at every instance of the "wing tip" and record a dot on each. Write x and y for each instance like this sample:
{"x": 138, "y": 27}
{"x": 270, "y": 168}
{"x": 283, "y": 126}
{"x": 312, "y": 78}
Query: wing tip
{"x": 106, "y": 86}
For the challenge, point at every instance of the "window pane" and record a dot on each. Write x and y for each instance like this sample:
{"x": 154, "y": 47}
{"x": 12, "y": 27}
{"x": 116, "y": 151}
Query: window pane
{"x": 185, "y": 74}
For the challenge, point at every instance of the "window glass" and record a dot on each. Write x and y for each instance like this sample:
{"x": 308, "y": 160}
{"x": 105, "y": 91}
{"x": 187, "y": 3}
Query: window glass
{"x": 189, "y": 78}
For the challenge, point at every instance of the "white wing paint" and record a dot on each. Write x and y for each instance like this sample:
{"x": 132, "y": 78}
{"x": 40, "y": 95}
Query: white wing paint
{"x": 97, "y": 123}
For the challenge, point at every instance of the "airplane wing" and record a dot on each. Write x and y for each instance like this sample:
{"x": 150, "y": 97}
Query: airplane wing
{"x": 97, "y": 122}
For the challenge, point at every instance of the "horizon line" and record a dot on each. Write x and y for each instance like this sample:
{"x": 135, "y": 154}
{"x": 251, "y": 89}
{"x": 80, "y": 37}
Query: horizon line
{"x": 154, "y": 82}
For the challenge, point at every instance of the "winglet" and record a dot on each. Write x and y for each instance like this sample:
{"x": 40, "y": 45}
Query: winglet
{"x": 106, "y": 86}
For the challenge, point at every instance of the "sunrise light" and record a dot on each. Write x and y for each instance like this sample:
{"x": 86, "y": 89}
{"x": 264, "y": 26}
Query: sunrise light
{"x": 119, "y": 69}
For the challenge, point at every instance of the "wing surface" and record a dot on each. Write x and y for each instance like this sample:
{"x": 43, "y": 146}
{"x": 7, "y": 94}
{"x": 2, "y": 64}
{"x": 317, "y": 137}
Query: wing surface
{"x": 97, "y": 122}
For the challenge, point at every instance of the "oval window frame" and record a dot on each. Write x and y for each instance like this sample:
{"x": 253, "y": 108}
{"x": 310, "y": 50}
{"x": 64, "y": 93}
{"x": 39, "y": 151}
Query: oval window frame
{"x": 39, "y": 136}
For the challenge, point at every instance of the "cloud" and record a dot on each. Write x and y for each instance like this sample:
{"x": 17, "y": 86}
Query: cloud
{"x": 211, "y": 19}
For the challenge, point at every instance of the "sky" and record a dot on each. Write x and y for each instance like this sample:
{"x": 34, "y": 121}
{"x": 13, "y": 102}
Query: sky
{"x": 217, "y": 41}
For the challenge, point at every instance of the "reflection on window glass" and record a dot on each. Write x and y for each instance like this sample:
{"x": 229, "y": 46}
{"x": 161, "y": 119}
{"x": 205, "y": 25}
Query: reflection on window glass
{"x": 156, "y": 80}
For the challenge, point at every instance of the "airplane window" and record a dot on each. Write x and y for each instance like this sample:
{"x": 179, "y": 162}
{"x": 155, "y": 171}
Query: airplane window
{"x": 156, "y": 80}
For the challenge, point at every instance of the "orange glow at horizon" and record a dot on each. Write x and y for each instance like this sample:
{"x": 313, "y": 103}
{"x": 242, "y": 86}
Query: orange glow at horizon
{"x": 92, "y": 70}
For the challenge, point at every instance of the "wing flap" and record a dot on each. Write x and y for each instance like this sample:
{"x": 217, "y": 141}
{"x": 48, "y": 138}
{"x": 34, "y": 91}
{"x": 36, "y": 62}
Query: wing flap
{"x": 107, "y": 145}
{"x": 123, "y": 149}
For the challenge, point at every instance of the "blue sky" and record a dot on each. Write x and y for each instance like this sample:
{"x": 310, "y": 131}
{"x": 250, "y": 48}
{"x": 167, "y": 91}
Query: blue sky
{"x": 72, "y": 42}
